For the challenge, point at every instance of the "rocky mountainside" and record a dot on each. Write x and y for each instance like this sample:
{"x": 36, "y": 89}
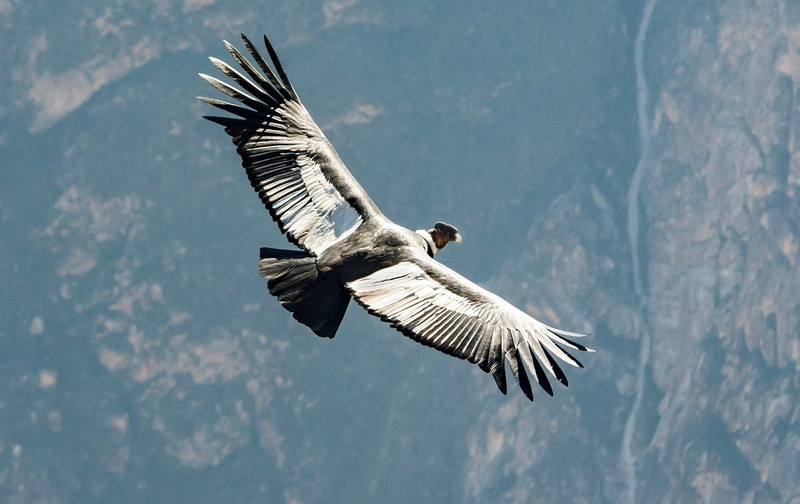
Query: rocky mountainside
{"x": 141, "y": 359}
{"x": 722, "y": 205}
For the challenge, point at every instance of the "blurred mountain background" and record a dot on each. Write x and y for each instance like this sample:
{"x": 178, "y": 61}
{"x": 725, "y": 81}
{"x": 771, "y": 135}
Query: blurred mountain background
{"x": 573, "y": 144}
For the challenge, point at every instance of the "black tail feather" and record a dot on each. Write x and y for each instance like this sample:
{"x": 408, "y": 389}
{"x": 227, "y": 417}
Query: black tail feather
{"x": 314, "y": 300}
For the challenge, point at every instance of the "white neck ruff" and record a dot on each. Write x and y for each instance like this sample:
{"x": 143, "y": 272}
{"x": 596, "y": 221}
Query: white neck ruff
{"x": 432, "y": 248}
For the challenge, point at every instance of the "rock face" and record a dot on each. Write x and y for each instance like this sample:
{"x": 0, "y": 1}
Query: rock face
{"x": 141, "y": 359}
{"x": 720, "y": 204}
{"x": 723, "y": 208}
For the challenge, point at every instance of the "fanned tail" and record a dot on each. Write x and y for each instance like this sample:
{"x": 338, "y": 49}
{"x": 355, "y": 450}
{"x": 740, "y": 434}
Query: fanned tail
{"x": 314, "y": 300}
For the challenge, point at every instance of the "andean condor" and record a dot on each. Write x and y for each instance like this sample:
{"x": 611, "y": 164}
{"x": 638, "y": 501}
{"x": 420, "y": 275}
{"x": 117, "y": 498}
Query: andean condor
{"x": 348, "y": 249}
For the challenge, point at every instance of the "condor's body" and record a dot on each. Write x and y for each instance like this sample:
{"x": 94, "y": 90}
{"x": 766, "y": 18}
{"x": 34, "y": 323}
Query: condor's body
{"x": 347, "y": 248}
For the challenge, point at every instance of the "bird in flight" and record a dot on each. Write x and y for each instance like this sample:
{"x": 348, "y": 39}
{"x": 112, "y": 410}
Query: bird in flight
{"x": 347, "y": 248}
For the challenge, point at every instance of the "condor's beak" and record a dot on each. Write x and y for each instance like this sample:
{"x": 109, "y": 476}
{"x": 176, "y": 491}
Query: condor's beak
{"x": 457, "y": 238}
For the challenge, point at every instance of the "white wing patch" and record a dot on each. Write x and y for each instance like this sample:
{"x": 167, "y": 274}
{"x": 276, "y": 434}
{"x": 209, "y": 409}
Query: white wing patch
{"x": 406, "y": 285}
{"x": 336, "y": 219}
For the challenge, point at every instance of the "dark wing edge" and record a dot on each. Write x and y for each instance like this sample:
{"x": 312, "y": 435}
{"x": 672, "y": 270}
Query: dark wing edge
{"x": 297, "y": 173}
{"x": 437, "y": 307}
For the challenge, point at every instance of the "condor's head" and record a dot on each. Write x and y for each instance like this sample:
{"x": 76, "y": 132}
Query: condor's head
{"x": 438, "y": 236}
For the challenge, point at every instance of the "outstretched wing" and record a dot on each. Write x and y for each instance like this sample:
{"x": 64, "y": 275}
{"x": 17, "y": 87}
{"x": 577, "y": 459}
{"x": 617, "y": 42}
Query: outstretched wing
{"x": 437, "y": 307}
{"x": 297, "y": 173}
